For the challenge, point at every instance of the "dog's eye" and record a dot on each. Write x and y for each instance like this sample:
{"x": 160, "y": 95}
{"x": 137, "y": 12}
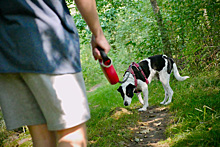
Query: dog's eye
{"x": 130, "y": 94}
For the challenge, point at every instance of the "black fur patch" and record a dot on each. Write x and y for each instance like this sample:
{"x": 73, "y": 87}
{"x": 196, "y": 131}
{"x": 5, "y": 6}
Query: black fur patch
{"x": 145, "y": 68}
{"x": 138, "y": 74}
{"x": 170, "y": 64}
{"x": 130, "y": 90}
{"x": 121, "y": 92}
{"x": 157, "y": 62}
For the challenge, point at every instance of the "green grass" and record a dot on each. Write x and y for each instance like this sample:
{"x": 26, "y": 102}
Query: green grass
{"x": 195, "y": 109}
{"x": 104, "y": 129}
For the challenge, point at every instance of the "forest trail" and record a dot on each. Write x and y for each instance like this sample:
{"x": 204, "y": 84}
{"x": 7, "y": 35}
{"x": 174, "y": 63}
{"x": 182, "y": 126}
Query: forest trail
{"x": 151, "y": 128}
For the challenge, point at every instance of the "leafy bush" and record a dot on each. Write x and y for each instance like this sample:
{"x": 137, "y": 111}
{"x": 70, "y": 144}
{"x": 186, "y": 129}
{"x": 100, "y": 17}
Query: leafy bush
{"x": 131, "y": 28}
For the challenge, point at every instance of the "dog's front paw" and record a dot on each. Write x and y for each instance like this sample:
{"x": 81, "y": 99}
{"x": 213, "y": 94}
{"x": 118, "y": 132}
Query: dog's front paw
{"x": 142, "y": 109}
{"x": 162, "y": 103}
{"x": 167, "y": 103}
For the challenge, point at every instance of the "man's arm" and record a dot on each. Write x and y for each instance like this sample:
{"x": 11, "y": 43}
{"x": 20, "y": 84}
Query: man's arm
{"x": 88, "y": 11}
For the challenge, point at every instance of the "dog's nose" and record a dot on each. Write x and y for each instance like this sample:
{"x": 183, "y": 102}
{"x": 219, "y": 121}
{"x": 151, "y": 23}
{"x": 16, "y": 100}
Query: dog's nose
{"x": 126, "y": 103}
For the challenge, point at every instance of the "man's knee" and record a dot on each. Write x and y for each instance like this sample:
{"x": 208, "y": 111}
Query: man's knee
{"x": 75, "y": 136}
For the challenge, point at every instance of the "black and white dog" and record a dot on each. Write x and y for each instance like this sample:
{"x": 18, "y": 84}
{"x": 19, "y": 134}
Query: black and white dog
{"x": 138, "y": 76}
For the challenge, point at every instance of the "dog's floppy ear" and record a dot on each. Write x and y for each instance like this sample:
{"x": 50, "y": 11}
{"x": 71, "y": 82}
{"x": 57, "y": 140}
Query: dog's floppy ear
{"x": 120, "y": 89}
{"x": 130, "y": 86}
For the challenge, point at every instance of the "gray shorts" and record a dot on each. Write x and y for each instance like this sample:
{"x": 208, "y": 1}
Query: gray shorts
{"x": 31, "y": 99}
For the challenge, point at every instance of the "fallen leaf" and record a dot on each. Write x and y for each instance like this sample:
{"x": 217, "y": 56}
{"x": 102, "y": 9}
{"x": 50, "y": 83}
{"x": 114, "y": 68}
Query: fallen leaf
{"x": 143, "y": 127}
{"x": 136, "y": 139}
{"x": 145, "y": 131}
{"x": 151, "y": 111}
{"x": 151, "y": 116}
{"x": 157, "y": 124}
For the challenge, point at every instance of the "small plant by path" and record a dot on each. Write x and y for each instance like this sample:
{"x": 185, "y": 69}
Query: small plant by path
{"x": 94, "y": 87}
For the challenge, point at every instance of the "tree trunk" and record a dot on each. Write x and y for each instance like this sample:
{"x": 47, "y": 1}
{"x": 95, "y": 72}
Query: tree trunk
{"x": 163, "y": 30}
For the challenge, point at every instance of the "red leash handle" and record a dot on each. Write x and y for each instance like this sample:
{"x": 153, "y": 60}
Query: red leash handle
{"x": 107, "y": 68}
{"x": 106, "y": 60}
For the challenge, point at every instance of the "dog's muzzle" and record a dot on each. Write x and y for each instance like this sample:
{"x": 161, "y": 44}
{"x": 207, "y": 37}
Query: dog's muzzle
{"x": 126, "y": 103}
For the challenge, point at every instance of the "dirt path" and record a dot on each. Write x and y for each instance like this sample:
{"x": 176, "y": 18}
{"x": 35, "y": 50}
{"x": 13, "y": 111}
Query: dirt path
{"x": 151, "y": 129}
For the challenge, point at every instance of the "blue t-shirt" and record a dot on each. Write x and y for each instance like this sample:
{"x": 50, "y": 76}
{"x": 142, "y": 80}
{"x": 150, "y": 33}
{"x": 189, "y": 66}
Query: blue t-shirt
{"x": 38, "y": 36}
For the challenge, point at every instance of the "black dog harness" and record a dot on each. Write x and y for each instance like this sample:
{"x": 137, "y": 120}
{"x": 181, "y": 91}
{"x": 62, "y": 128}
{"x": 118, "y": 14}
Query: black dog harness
{"x": 137, "y": 66}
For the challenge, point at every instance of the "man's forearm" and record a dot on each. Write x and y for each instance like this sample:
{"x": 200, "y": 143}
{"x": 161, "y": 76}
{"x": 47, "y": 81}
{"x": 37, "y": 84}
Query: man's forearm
{"x": 88, "y": 11}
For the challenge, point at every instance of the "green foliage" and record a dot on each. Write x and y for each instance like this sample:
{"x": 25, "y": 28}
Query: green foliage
{"x": 11, "y": 138}
{"x": 193, "y": 27}
{"x": 197, "y": 112}
{"x": 131, "y": 28}
{"x": 3, "y": 133}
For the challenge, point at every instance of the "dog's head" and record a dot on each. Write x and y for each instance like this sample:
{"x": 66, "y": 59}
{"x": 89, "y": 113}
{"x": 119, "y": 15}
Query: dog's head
{"x": 127, "y": 92}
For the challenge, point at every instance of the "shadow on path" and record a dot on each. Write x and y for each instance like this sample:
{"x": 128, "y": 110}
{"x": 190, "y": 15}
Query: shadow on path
{"x": 151, "y": 128}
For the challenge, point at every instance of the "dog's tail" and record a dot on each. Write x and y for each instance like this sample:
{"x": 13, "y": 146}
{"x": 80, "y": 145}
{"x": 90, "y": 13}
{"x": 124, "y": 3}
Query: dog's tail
{"x": 177, "y": 75}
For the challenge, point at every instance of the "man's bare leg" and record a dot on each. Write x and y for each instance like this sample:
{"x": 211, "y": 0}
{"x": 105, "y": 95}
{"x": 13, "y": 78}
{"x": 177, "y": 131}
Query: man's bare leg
{"x": 72, "y": 137}
{"x": 41, "y": 137}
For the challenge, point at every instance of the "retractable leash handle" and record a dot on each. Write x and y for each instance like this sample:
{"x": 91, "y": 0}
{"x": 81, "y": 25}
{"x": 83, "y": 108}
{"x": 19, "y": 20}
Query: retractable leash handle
{"x": 107, "y": 67}
{"x": 106, "y": 61}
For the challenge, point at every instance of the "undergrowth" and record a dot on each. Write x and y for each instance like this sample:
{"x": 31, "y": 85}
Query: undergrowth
{"x": 196, "y": 111}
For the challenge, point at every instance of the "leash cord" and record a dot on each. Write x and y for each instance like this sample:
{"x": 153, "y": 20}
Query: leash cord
{"x": 121, "y": 82}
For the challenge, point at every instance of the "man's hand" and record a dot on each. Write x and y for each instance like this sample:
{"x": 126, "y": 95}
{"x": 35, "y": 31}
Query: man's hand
{"x": 99, "y": 42}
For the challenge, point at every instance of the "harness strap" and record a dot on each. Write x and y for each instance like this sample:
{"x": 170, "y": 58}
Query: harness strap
{"x": 132, "y": 72}
{"x": 140, "y": 69}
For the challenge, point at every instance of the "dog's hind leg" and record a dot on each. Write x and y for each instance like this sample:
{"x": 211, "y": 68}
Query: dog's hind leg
{"x": 140, "y": 98}
{"x": 165, "y": 78}
{"x": 166, "y": 95}
{"x": 170, "y": 94}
